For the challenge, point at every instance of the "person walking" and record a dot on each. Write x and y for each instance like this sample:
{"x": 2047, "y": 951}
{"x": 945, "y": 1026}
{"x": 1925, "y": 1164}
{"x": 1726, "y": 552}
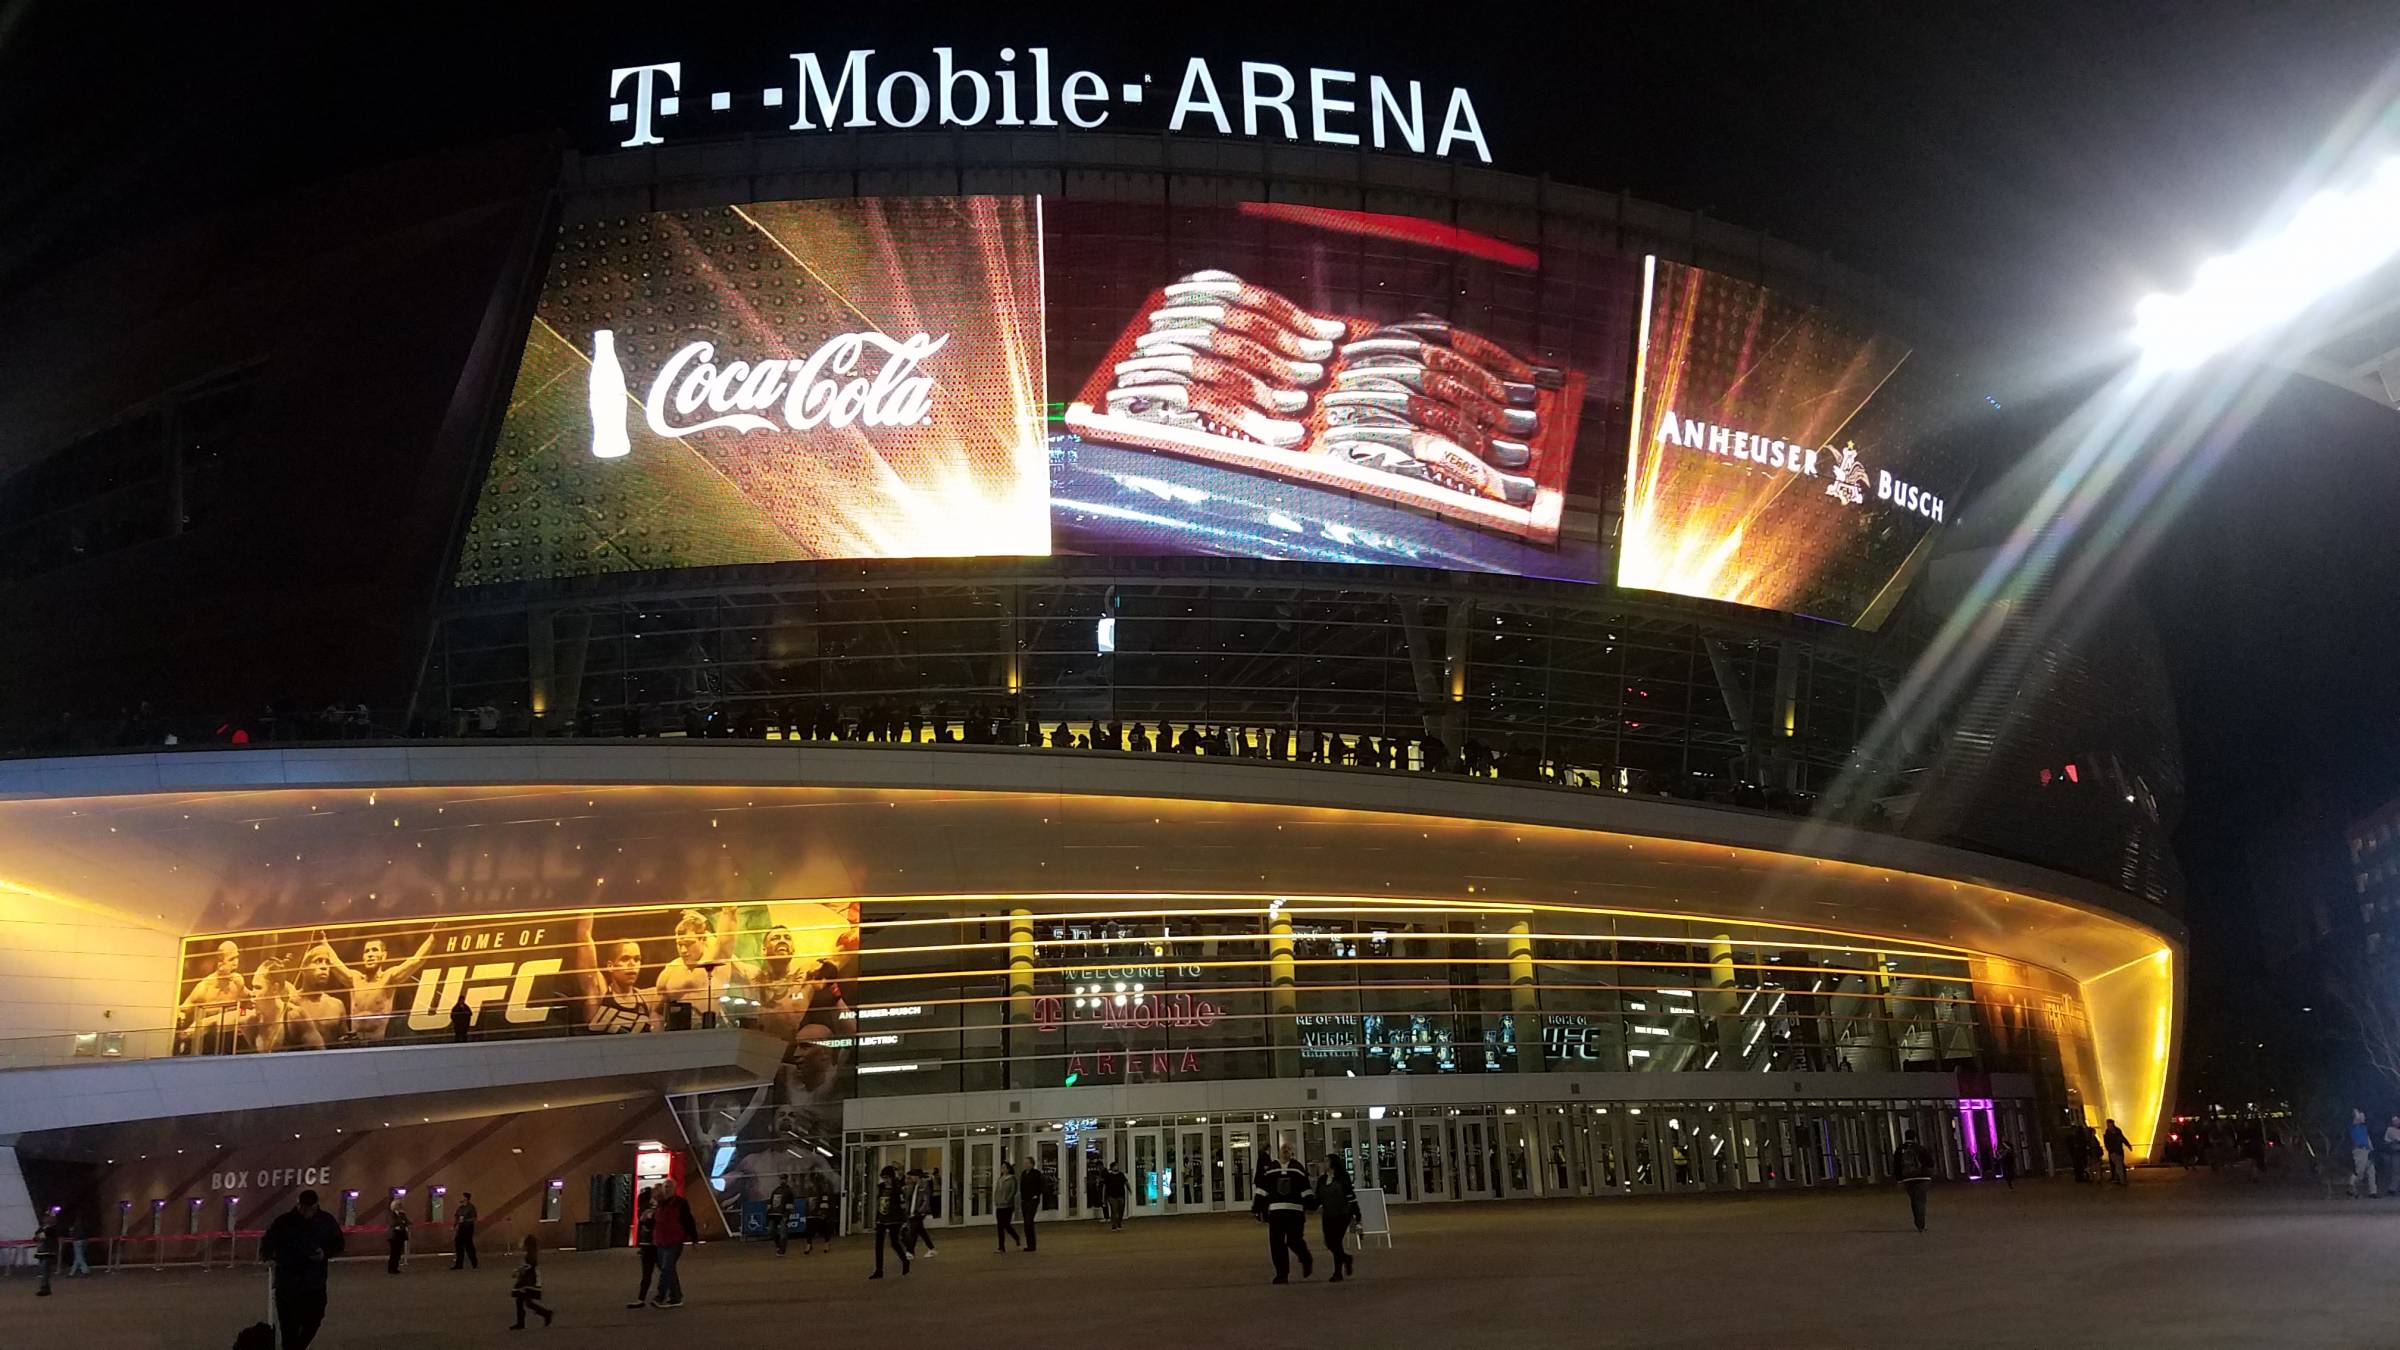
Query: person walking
{"x": 76, "y": 1239}
{"x": 823, "y": 1218}
{"x": 45, "y": 1252}
{"x": 1279, "y": 1198}
{"x": 891, "y": 1216}
{"x": 645, "y": 1241}
{"x": 1912, "y": 1163}
{"x": 1337, "y": 1209}
{"x": 396, "y": 1241}
{"x": 2116, "y": 1143}
{"x": 670, "y": 1229}
{"x": 779, "y": 1216}
{"x": 1114, "y": 1187}
{"x": 1004, "y": 1204}
{"x": 300, "y": 1247}
{"x": 1033, "y": 1186}
{"x": 526, "y": 1288}
{"x": 920, "y": 1205}
{"x": 2391, "y": 1157}
{"x": 2362, "y": 1156}
{"x": 462, "y": 1235}
{"x": 2004, "y": 1161}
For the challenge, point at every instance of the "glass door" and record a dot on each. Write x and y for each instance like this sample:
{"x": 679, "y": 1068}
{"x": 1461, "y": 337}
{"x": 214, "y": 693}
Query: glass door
{"x": 1645, "y": 1163}
{"x": 1191, "y": 1167}
{"x": 1238, "y": 1168}
{"x": 1341, "y": 1140}
{"x": 1387, "y": 1154}
{"x": 1433, "y": 1160}
{"x": 1049, "y": 1154}
{"x": 983, "y": 1163}
{"x": 1476, "y": 1170}
{"x": 1152, "y": 1180}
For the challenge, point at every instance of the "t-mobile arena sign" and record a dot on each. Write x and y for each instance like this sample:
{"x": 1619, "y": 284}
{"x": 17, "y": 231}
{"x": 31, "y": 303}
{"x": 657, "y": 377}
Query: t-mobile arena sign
{"x": 856, "y": 91}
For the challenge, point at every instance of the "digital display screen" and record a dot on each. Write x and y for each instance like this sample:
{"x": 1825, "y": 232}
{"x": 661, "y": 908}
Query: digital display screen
{"x": 944, "y": 377}
{"x": 773, "y": 383}
{"x": 1779, "y": 457}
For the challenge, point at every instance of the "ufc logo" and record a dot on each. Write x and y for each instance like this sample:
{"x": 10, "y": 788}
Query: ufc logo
{"x": 506, "y": 983}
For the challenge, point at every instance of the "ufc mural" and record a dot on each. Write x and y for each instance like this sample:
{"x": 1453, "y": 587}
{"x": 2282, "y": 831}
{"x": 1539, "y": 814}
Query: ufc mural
{"x": 785, "y": 966}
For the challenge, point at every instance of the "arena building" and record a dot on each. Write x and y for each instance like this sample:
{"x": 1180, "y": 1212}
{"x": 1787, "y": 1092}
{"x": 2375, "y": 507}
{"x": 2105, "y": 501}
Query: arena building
{"x": 761, "y": 653}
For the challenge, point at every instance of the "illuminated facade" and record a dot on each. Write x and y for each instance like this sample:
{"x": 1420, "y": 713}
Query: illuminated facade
{"x": 1106, "y": 788}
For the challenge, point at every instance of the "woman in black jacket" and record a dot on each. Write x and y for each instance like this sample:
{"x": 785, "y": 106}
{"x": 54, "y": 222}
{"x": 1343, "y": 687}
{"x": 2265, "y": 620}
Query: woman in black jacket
{"x": 1337, "y": 1209}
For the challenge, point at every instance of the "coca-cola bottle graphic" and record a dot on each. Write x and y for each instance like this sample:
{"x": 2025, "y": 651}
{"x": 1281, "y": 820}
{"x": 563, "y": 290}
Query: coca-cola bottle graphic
{"x": 609, "y": 404}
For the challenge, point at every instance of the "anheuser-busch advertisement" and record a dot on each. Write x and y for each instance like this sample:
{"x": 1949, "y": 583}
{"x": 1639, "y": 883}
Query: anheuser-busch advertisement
{"x": 1780, "y": 457}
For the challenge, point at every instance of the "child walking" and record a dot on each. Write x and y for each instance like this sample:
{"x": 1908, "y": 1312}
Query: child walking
{"x": 527, "y": 1290}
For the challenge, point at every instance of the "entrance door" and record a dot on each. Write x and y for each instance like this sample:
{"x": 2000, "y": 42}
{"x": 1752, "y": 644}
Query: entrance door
{"x": 1476, "y": 1170}
{"x": 1151, "y": 1177}
{"x": 1387, "y": 1158}
{"x": 1237, "y": 1170}
{"x": 1191, "y": 1167}
{"x": 1433, "y": 1171}
{"x": 1341, "y": 1140}
{"x": 1517, "y": 1172}
{"x": 983, "y": 1160}
{"x": 1049, "y": 1154}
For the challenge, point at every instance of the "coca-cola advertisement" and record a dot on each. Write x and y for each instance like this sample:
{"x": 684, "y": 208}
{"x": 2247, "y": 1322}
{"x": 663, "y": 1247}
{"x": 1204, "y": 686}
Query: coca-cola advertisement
{"x": 775, "y": 382}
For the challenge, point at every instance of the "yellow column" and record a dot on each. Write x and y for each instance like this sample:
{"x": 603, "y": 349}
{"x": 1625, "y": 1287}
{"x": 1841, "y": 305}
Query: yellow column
{"x": 1020, "y": 994}
{"x": 1524, "y": 999}
{"x": 1283, "y": 995}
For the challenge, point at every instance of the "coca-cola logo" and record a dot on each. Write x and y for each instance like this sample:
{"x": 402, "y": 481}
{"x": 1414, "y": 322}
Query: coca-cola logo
{"x": 695, "y": 392}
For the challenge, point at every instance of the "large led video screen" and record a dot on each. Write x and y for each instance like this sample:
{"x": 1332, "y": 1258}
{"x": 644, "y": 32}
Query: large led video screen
{"x": 775, "y": 382}
{"x": 1779, "y": 457}
{"x": 921, "y": 377}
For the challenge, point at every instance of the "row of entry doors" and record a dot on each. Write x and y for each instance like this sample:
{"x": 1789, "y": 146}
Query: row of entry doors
{"x": 1430, "y": 1156}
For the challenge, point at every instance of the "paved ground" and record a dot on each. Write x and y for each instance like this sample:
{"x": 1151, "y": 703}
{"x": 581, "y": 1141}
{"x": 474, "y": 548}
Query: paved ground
{"x": 2176, "y": 1261}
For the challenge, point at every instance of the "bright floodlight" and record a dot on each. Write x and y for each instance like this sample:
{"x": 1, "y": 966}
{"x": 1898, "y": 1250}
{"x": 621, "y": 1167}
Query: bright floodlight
{"x": 2334, "y": 238}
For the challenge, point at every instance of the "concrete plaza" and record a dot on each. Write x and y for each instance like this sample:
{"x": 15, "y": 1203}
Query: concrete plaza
{"x": 2174, "y": 1260}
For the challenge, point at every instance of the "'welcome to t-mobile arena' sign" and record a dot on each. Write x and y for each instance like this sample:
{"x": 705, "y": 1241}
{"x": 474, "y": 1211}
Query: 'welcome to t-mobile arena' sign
{"x": 1318, "y": 105}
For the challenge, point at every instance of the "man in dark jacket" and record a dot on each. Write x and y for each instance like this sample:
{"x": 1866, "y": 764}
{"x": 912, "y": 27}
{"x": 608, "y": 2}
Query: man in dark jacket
{"x": 1280, "y": 1197}
{"x": 1912, "y": 1163}
{"x": 891, "y": 1218}
{"x": 301, "y": 1245}
{"x": 1033, "y": 1187}
{"x": 462, "y": 1237}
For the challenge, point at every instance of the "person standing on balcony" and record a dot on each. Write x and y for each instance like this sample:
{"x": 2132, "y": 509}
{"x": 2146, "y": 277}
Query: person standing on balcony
{"x": 462, "y": 1019}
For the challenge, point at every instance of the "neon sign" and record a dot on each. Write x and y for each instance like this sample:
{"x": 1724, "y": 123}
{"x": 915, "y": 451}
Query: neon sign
{"x": 1145, "y": 1013}
{"x": 1318, "y": 105}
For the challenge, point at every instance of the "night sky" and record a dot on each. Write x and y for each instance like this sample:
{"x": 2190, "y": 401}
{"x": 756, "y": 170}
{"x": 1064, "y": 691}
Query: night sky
{"x": 2028, "y": 169}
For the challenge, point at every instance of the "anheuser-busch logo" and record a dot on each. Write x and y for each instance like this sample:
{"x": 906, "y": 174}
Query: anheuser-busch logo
{"x": 826, "y": 389}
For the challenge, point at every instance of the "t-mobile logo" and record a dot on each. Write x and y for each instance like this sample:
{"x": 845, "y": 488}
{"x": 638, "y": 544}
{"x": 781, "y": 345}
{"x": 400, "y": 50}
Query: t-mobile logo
{"x": 648, "y": 99}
